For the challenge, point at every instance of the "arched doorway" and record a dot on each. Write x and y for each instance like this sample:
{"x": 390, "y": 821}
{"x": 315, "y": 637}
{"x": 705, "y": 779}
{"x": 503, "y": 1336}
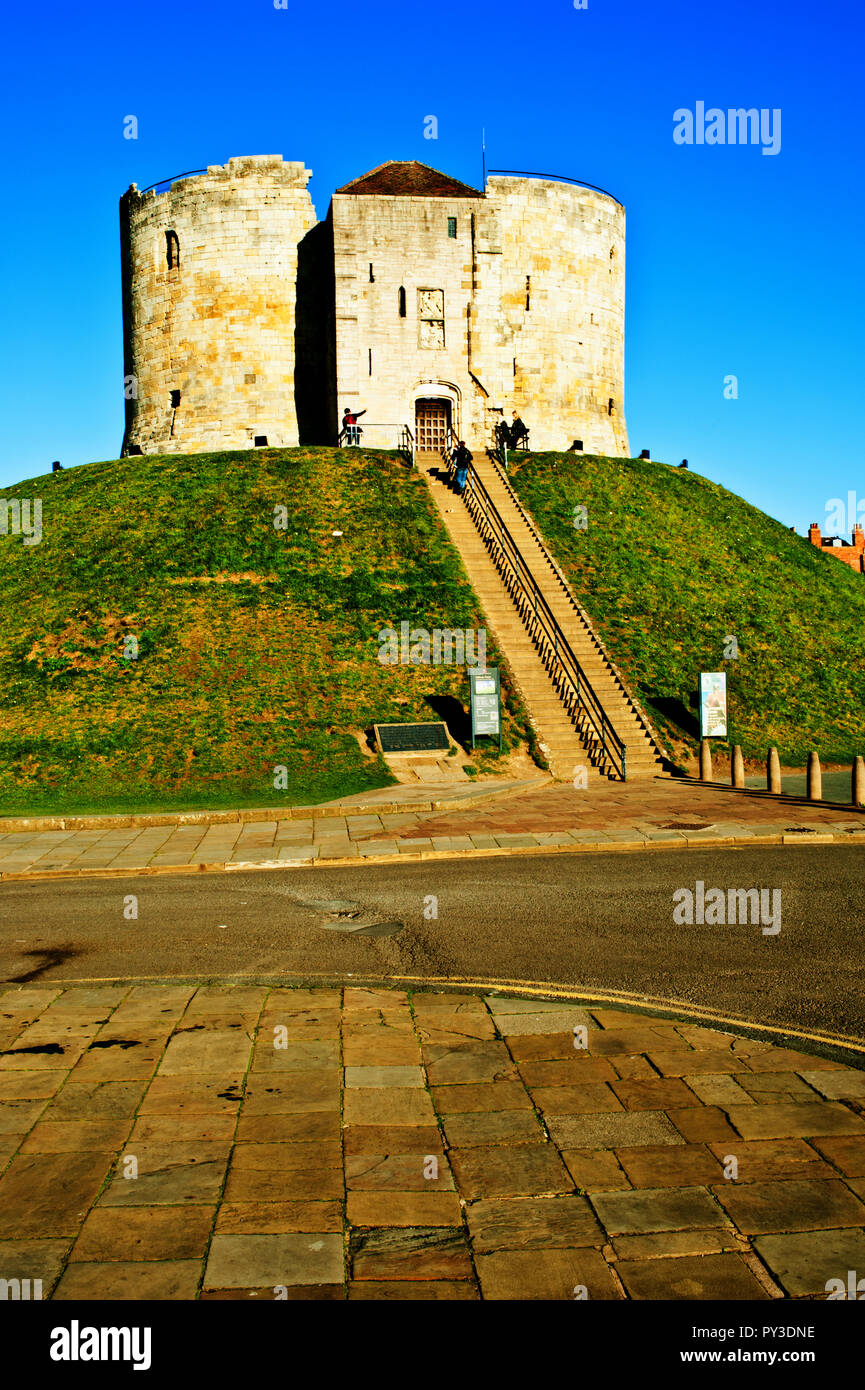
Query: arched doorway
{"x": 432, "y": 420}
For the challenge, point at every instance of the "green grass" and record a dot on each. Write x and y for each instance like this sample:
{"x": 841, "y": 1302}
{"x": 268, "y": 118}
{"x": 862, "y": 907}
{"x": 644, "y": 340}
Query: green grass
{"x": 670, "y": 565}
{"x": 273, "y": 666}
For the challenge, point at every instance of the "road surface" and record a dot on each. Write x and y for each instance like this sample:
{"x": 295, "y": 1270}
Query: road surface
{"x": 599, "y": 923}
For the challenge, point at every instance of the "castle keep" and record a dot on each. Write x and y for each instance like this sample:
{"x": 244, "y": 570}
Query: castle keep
{"x": 419, "y": 299}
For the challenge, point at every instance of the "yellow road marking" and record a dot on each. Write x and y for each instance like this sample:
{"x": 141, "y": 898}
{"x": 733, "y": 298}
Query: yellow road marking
{"x": 532, "y": 989}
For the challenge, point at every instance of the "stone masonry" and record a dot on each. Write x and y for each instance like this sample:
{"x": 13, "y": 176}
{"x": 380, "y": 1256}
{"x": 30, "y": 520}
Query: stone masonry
{"x": 246, "y": 319}
{"x": 218, "y": 325}
{"x": 241, "y": 1141}
{"x": 513, "y": 301}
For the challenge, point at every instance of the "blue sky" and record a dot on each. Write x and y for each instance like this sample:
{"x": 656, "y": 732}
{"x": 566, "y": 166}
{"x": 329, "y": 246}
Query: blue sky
{"x": 738, "y": 263}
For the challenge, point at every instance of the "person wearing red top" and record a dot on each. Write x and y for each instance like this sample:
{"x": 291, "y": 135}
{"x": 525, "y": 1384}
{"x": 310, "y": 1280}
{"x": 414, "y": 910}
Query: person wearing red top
{"x": 349, "y": 424}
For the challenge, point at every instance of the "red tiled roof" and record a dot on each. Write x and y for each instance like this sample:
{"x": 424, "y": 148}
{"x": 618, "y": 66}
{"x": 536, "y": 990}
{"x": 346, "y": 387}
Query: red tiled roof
{"x": 409, "y": 178}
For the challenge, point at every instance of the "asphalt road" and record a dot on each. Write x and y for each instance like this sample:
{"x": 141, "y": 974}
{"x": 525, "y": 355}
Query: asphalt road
{"x": 595, "y": 923}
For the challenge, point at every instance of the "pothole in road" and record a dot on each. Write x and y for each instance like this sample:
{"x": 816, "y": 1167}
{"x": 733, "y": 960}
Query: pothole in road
{"x": 336, "y": 907}
{"x": 348, "y": 916}
{"x": 365, "y": 928}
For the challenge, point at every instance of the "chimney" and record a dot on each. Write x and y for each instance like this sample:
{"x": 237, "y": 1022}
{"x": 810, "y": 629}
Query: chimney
{"x": 814, "y": 534}
{"x": 858, "y": 537}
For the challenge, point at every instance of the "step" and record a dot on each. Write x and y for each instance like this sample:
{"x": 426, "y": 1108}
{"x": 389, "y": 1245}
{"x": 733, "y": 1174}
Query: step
{"x": 584, "y": 645}
{"x": 555, "y": 727}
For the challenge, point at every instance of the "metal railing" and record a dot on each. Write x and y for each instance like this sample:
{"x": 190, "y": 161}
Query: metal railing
{"x": 499, "y": 449}
{"x": 405, "y": 441}
{"x": 605, "y": 748}
{"x": 166, "y": 183}
{"x": 556, "y": 178}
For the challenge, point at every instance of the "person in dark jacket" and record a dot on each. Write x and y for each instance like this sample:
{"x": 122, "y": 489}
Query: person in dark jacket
{"x": 462, "y": 459}
{"x": 518, "y": 432}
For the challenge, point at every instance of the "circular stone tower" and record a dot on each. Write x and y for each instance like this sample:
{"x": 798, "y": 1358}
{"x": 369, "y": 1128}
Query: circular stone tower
{"x": 209, "y": 307}
{"x": 561, "y": 292}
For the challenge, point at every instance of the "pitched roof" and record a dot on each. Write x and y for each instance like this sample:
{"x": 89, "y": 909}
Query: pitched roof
{"x": 408, "y": 178}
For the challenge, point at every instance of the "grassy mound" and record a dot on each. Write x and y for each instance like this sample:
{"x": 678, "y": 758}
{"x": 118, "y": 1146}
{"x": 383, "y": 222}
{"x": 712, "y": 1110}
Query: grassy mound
{"x": 167, "y": 645}
{"x": 670, "y": 566}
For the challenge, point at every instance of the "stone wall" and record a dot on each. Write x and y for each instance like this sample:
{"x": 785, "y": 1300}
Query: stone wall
{"x": 558, "y": 363}
{"x": 220, "y": 326}
{"x": 551, "y": 325}
{"x": 384, "y": 361}
{"x": 272, "y": 323}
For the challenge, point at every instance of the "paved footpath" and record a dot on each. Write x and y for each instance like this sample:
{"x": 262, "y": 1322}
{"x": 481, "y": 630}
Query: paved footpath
{"x": 660, "y": 813}
{"x": 230, "y": 1142}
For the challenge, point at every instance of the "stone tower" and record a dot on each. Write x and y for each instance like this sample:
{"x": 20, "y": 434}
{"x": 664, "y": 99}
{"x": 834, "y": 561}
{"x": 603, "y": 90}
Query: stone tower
{"x": 209, "y": 307}
{"x": 419, "y": 299}
{"x": 511, "y": 299}
{"x": 557, "y": 345}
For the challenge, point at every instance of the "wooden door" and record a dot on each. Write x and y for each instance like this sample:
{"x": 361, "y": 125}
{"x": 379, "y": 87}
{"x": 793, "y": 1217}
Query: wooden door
{"x": 431, "y": 424}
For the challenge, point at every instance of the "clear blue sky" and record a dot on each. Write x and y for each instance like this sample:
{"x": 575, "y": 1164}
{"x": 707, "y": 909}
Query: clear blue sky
{"x": 738, "y": 263}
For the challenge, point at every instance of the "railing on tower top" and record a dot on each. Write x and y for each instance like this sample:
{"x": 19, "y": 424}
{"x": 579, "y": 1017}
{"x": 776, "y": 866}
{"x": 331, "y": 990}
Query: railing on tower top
{"x": 605, "y": 747}
{"x": 166, "y": 183}
{"x": 556, "y": 178}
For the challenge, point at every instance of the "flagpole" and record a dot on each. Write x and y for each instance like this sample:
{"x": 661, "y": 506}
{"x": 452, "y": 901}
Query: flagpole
{"x": 484, "y": 157}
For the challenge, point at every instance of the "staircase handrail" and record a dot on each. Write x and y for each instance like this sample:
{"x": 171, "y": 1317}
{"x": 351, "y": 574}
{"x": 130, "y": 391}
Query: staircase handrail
{"x": 407, "y": 443}
{"x": 612, "y": 749}
{"x": 597, "y": 640}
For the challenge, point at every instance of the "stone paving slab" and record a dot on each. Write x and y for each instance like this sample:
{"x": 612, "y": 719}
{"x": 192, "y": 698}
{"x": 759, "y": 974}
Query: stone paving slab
{"x": 424, "y": 1145}
{"x": 512, "y": 818}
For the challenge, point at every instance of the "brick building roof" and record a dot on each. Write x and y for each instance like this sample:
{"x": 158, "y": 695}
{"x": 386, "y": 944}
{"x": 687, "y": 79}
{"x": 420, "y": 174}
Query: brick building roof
{"x": 410, "y": 179}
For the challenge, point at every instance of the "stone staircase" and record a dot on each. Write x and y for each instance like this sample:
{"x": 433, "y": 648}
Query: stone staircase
{"x": 560, "y": 740}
